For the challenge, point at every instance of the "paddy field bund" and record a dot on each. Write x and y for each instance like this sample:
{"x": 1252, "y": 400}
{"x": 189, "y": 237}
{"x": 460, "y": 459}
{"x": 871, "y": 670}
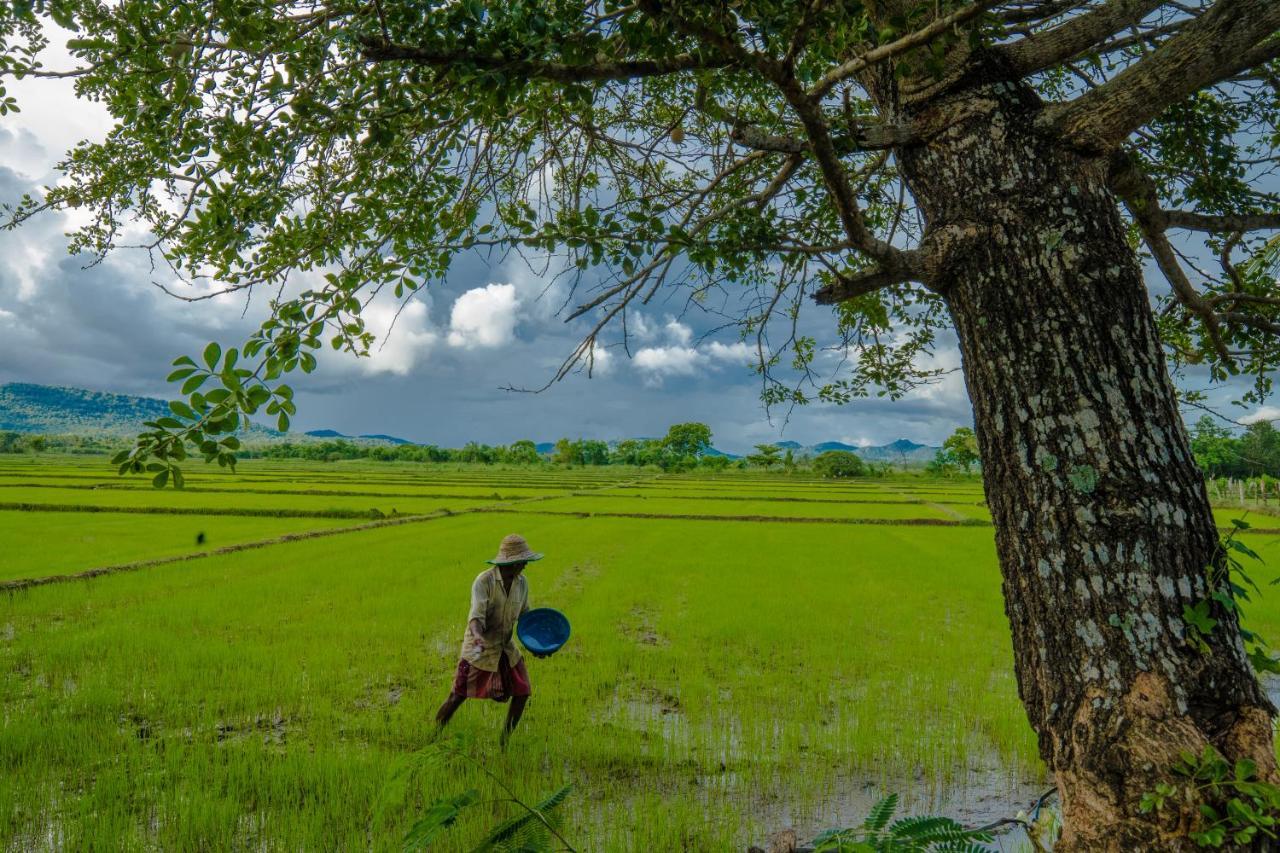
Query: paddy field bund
{"x": 749, "y": 652}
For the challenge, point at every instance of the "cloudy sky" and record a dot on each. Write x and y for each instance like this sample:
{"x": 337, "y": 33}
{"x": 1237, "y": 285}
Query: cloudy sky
{"x": 439, "y": 376}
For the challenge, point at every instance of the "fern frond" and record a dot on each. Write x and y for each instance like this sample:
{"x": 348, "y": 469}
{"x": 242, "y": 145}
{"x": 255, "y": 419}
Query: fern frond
{"x": 514, "y": 829}
{"x": 880, "y": 813}
{"x": 438, "y": 818}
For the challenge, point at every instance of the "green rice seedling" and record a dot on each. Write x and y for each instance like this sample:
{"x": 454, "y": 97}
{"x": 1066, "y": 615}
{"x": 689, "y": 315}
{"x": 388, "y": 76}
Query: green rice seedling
{"x": 33, "y": 544}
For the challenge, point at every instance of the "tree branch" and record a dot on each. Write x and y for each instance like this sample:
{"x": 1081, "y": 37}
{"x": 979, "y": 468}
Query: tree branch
{"x": 808, "y": 110}
{"x": 847, "y": 287}
{"x": 1207, "y": 50}
{"x": 875, "y": 137}
{"x": 887, "y": 51}
{"x": 1046, "y": 49}
{"x": 1223, "y": 224}
{"x": 1140, "y": 196}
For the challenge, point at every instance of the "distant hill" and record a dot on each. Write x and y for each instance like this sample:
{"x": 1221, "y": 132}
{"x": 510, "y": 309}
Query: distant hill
{"x": 390, "y": 439}
{"x": 334, "y": 433}
{"x": 56, "y": 410}
{"x": 901, "y": 451}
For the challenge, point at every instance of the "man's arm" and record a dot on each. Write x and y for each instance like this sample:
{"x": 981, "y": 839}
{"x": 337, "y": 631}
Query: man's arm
{"x": 479, "y": 609}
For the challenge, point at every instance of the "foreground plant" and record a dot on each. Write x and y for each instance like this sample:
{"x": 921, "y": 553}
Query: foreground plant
{"x": 533, "y": 829}
{"x": 989, "y": 166}
{"x": 879, "y": 833}
{"x": 1219, "y": 804}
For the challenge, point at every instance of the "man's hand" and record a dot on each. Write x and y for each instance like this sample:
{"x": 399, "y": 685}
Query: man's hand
{"x": 476, "y": 635}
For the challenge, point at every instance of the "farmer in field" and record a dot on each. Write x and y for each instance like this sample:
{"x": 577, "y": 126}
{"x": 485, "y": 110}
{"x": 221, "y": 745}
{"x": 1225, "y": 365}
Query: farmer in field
{"x": 491, "y": 667}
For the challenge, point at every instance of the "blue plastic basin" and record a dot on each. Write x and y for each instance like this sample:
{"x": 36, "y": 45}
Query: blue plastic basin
{"x": 543, "y": 631}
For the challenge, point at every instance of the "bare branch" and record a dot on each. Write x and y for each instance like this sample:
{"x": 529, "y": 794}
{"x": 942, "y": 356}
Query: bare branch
{"x": 1207, "y": 50}
{"x": 1046, "y": 49}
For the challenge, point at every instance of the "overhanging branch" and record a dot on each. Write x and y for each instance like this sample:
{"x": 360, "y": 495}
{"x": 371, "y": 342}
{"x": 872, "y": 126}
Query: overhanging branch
{"x": 851, "y": 286}
{"x": 1046, "y": 49}
{"x": 1206, "y": 51}
{"x": 1223, "y": 224}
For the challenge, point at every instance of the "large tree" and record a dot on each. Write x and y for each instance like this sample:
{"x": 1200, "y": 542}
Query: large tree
{"x": 990, "y": 166}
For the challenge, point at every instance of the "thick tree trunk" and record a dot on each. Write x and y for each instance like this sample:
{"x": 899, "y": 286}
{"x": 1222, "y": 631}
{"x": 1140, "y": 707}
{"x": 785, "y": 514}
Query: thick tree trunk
{"x": 1103, "y": 526}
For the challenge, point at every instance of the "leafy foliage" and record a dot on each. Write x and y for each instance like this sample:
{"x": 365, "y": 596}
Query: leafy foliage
{"x": 879, "y": 833}
{"x": 1230, "y": 587}
{"x": 1221, "y": 454}
{"x": 1234, "y": 808}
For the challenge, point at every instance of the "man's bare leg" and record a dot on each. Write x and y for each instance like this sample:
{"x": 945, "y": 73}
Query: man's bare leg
{"x": 513, "y": 717}
{"x": 446, "y": 712}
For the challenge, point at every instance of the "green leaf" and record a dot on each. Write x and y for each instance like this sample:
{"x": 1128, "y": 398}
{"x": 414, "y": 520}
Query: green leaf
{"x": 1198, "y": 617}
{"x": 180, "y": 373}
{"x": 194, "y": 383}
{"x": 160, "y": 479}
{"x": 212, "y": 353}
{"x": 182, "y": 410}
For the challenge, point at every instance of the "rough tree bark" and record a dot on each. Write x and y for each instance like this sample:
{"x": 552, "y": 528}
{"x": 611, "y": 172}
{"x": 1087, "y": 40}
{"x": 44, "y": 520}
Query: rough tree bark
{"x": 1103, "y": 526}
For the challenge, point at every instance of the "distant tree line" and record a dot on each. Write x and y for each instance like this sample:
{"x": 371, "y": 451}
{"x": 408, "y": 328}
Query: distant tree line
{"x": 685, "y": 447}
{"x": 21, "y": 442}
{"x": 1221, "y": 453}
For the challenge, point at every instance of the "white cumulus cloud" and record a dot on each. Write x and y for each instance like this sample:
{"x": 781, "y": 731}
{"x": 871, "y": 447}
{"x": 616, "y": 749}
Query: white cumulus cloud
{"x": 1266, "y": 413}
{"x": 484, "y": 316}
{"x": 402, "y": 340}
{"x": 682, "y": 359}
{"x": 679, "y": 333}
{"x": 738, "y": 352}
{"x": 668, "y": 361}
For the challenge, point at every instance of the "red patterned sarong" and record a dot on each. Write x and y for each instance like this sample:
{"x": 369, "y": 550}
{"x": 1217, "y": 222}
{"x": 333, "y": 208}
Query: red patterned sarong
{"x": 499, "y": 686}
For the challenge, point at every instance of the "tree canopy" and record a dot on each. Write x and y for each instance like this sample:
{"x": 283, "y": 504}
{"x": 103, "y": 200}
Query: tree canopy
{"x": 327, "y": 152}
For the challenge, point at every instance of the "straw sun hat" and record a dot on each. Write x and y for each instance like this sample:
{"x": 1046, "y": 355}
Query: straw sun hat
{"x": 514, "y": 550}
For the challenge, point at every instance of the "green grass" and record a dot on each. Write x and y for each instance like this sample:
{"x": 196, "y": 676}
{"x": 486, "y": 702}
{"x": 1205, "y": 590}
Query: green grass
{"x": 245, "y": 500}
{"x": 723, "y": 680}
{"x": 605, "y": 503}
{"x": 691, "y": 650}
{"x": 36, "y": 544}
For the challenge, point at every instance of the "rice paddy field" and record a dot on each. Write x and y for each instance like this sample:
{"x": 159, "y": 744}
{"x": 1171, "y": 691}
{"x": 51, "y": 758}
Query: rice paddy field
{"x": 250, "y": 663}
